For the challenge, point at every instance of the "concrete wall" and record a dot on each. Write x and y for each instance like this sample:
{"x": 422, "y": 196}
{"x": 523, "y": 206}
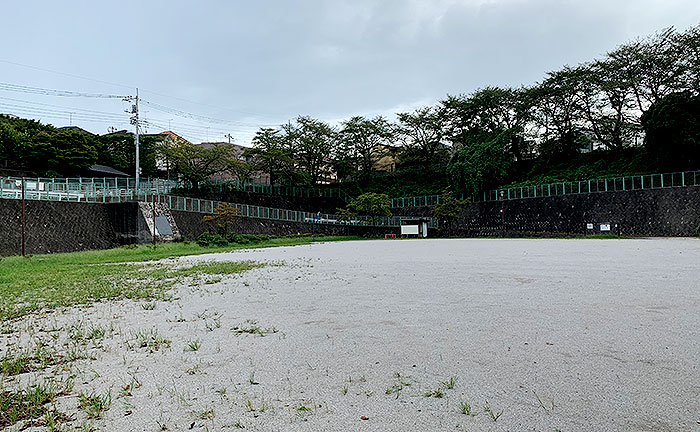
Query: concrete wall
{"x": 651, "y": 212}
{"x": 191, "y": 227}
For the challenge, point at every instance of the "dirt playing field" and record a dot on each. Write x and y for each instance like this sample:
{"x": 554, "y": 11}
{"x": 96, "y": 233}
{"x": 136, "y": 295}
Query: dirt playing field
{"x": 396, "y": 335}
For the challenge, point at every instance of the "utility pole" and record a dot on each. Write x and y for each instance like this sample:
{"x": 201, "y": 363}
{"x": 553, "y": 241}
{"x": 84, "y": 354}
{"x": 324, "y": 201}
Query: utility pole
{"x": 229, "y": 136}
{"x": 136, "y": 139}
{"x": 135, "y": 122}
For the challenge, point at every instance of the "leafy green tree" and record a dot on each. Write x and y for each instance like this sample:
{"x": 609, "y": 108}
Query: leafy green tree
{"x": 606, "y": 105}
{"x": 423, "y": 135}
{"x": 362, "y": 142}
{"x": 482, "y": 163}
{"x": 672, "y": 128}
{"x": 655, "y": 66}
{"x": 556, "y": 115}
{"x": 15, "y": 139}
{"x": 119, "y": 151}
{"x": 239, "y": 170}
{"x": 64, "y": 152}
{"x": 11, "y": 144}
{"x": 197, "y": 163}
{"x": 312, "y": 142}
{"x": 449, "y": 209}
{"x": 271, "y": 154}
{"x": 371, "y": 204}
{"x": 489, "y": 110}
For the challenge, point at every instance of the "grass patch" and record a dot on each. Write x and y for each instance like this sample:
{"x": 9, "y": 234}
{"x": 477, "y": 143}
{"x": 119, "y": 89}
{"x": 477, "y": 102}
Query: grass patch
{"x": 193, "y": 345}
{"x": 28, "y": 404}
{"x": 466, "y": 409}
{"x": 94, "y": 405}
{"x": 492, "y": 414}
{"x": 32, "y": 283}
{"x": 152, "y": 340}
{"x": 437, "y": 393}
{"x": 28, "y": 361}
{"x": 252, "y": 327}
{"x": 215, "y": 268}
{"x": 400, "y": 383}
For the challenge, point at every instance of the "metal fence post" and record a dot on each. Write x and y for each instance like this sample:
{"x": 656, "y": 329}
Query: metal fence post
{"x": 23, "y": 221}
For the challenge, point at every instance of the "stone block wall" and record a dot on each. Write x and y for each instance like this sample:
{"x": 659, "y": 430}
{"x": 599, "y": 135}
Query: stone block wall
{"x": 54, "y": 227}
{"x": 68, "y": 226}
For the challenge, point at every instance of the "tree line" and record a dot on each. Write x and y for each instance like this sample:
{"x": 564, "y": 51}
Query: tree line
{"x": 32, "y": 147}
{"x": 634, "y": 110}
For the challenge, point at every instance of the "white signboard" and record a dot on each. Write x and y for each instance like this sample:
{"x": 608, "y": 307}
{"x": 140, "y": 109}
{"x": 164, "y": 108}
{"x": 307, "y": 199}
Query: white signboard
{"x": 589, "y": 226}
{"x": 605, "y": 227}
{"x": 409, "y": 229}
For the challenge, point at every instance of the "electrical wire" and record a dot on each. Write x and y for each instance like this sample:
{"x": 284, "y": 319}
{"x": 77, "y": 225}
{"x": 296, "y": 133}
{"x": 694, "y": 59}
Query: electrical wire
{"x": 189, "y": 115}
{"x": 129, "y": 87}
{"x": 53, "y": 92}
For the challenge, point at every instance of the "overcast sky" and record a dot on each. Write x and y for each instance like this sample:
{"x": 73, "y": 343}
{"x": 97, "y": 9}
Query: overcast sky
{"x": 253, "y": 63}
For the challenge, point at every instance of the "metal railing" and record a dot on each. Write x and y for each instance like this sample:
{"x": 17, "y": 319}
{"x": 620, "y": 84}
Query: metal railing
{"x": 79, "y": 189}
{"x": 207, "y": 207}
{"x": 96, "y": 192}
{"x": 97, "y": 189}
{"x": 616, "y": 184}
{"x": 293, "y": 191}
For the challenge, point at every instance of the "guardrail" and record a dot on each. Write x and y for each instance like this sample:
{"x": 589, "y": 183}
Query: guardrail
{"x": 616, "y": 184}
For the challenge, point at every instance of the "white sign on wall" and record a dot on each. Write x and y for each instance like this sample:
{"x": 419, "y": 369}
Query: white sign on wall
{"x": 409, "y": 229}
{"x": 605, "y": 227}
{"x": 589, "y": 226}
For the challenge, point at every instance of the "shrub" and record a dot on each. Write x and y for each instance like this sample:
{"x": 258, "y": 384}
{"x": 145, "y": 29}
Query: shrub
{"x": 206, "y": 240}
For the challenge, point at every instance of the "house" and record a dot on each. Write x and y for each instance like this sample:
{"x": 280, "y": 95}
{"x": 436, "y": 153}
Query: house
{"x": 386, "y": 159}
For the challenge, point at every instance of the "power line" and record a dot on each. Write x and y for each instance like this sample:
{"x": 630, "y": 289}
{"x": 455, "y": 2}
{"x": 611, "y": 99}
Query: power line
{"x": 72, "y": 109}
{"x": 52, "y": 92}
{"x": 186, "y": 114}
{"x": 63, "y": 73}
{"x": 57, "y": 114}
{"x": 22, "y": 107}
{"x": 125, "y": 86}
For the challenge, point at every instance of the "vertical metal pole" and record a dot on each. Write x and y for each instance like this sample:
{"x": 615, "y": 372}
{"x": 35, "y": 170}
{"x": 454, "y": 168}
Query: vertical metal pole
{"x": 136, "y": 138}
{"x": 154, "y": 220}
{"x": 23, "y": 222}
{"x": 313, "y": 229}
{"x": 503, "y": 216}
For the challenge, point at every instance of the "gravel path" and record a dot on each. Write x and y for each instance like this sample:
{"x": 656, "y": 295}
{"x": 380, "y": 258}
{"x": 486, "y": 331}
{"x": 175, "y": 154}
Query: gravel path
{"x": 570, "y": 335}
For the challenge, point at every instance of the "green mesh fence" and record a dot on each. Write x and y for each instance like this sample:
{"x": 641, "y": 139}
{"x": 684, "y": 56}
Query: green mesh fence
{"x": 627, "y": 183}
{"x": 101, "y": 189}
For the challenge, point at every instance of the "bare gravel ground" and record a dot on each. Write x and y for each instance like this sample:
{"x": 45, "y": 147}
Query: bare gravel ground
{"x": 569, "y": 335}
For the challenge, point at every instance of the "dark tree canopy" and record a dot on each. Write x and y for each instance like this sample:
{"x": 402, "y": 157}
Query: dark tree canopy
{"x": 672, "y": 127}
